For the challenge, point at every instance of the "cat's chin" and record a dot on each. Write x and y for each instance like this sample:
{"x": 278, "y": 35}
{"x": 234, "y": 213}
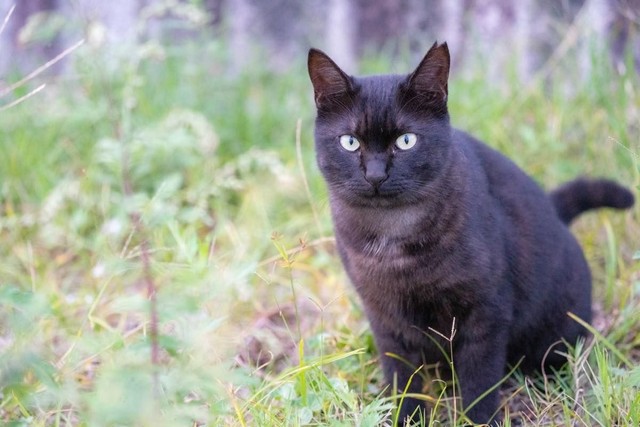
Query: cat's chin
{"x": 374, "y": 200}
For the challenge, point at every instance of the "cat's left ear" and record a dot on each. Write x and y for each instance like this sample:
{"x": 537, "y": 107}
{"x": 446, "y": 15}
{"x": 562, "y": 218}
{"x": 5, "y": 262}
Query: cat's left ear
{"x": 432, "y": 75}
{"x": 329, "y": 81}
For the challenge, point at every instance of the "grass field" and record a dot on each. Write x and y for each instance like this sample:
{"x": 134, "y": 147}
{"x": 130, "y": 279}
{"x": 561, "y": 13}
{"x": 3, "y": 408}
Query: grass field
{"x": 166, "y": 252}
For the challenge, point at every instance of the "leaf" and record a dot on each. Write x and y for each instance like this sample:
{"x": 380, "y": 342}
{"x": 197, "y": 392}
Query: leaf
{"x": 171, "y": 344}
{"x": 27, "y": 303}
{"x": 287, "y": 392}
{"x": 305, "y": 415}
{"x": 632, "y": 378}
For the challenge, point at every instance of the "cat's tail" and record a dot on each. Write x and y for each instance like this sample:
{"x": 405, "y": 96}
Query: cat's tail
{"x": 577, "y": 196}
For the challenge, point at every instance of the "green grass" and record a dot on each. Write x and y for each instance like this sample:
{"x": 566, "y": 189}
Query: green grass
{"x": 170, "y": 157}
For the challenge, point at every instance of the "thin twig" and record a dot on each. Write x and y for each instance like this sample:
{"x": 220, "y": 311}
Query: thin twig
{"x": 294, "y": 251}
{"x": 145, "y": 257}
{"x": 22, "y": 98}
{"x": 153, "y": 301}
{"x": 147, "y": 276}
{"x": 304, "y": 174}
{"x": 6, "y": 18}
{"x": 40, "y": 69}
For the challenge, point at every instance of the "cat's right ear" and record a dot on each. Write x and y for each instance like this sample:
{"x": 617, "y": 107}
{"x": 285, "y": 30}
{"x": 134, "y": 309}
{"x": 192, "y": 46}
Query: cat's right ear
{"x": 328, "y": 80}
{"x": 431, "y": 77}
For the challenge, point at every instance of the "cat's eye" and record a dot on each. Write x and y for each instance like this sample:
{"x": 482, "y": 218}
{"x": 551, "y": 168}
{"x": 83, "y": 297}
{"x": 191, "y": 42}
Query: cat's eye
{"x": 349, "y": 142}
{"x": 406, "y": 141}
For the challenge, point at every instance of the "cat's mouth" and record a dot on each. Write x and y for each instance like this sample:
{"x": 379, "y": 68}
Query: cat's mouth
{"x": 377, "y": 193}
{"x": 366, "y": 195}
{"x": 376, "y": 197}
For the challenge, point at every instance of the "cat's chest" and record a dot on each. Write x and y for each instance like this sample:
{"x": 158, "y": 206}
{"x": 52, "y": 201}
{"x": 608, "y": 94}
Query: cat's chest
{"x": 412, "y": 270}
{"x": 379, "y": 242}
{"x": 400, "y": 251}
{"x": 379, "y": 257}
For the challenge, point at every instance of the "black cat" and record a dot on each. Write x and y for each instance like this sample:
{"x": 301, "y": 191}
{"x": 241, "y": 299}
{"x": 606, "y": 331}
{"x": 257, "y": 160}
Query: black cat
{"x": 432, "y": 225}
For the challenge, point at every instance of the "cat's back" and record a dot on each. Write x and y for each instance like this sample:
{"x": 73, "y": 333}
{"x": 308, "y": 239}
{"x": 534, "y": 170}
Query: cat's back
{"x": 507, "y": 184}
{"x": 532, "y": 233}
{"x": 545, "y": 263}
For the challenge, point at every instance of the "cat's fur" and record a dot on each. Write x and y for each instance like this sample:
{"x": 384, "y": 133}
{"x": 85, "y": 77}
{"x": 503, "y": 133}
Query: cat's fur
{"x": 449, "y": 229}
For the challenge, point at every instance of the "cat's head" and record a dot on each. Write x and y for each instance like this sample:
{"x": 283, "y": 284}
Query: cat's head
{"x": 381, "y": 140}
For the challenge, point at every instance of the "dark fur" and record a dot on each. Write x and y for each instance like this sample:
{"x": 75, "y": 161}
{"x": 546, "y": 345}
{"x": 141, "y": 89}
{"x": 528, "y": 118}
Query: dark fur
{"x": 450, "y": 229}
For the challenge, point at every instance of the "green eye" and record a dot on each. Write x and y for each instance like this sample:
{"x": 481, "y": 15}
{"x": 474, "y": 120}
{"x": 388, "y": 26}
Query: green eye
{"x": 349, "y": 142}
{"x": 406, "y": 141}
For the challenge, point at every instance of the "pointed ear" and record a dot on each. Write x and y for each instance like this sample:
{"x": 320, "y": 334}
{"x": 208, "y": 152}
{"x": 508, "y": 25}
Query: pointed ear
{"x": 432, "y": 75}
{"x": 327, "y": 78}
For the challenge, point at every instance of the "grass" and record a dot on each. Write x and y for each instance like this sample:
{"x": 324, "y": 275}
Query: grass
{"x": 165, "y": 156}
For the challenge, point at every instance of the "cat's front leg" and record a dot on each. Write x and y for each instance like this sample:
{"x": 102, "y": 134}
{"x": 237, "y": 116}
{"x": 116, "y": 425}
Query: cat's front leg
{"x": 399, "y": 364}
{"x": 479, "y": 361}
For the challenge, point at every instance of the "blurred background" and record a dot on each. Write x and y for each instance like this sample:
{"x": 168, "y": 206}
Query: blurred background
{"x": 166, "y": 251}
{"x": 282, "y": 30}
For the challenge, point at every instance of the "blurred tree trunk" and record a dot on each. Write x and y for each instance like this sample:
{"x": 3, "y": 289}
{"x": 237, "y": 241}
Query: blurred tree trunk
{"x": 276, "y": 25}
{"x": 379, "y": 23}
{"x": 453, "y": 28}
{"x": 240, "y": 21}
{"x": 341, "y": 29}
{"x": 215, "y": 9}
{"x": 625, "y": 32}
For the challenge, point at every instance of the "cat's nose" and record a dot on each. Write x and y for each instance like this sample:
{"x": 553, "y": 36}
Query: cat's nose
{"x": 376, "y": 172}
